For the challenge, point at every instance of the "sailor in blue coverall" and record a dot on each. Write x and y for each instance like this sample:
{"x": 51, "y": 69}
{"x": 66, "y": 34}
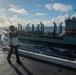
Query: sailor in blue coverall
{"x": 13, "y": 44}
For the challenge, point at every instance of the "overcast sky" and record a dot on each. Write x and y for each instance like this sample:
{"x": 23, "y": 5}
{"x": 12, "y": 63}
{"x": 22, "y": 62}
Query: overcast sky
{"x": 34, "y": 11}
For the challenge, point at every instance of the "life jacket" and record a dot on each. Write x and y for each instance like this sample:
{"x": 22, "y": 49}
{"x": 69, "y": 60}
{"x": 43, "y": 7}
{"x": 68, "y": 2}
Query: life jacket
{"x": 14, "y": 41}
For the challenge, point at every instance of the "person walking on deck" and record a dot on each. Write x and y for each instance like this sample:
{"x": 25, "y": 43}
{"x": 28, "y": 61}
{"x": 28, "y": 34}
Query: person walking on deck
{"x": 13, "y": 44}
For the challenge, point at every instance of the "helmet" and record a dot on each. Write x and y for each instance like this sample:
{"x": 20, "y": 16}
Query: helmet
{"x": 11, "y": 28}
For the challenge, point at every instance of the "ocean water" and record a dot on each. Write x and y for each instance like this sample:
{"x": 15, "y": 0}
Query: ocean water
{"x": 44, "y": 48}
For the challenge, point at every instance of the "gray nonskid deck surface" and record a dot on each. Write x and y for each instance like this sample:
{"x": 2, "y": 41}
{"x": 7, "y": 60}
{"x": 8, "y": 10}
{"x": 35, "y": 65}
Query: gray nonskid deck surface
{"x": 29, "y": 67}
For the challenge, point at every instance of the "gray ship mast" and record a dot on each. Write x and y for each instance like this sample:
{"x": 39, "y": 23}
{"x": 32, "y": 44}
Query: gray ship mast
{"x": 60, "y": 28}
{"x": 27, "y": 27}
{"x": 42, "y": 27}
{"x": 19, "y": 27}
{"x": 55, "y": 29}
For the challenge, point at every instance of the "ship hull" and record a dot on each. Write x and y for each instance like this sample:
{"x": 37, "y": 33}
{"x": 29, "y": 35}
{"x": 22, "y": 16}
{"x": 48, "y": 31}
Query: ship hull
{"x": 64, "y": 42}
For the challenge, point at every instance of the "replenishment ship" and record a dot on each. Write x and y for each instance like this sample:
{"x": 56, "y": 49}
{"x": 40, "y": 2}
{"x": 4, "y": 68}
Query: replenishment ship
{"x": 57, "y": 40}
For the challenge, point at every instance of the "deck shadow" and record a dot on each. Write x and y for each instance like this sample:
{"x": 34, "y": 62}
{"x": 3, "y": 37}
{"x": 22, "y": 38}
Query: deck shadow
{"x": 26, "y": 70}
{"x": 18, "y": 72}
{"x": 15, "y": 68}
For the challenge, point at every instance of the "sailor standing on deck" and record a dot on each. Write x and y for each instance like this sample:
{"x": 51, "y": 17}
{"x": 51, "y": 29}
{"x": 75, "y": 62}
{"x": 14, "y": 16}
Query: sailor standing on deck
{"x": 13, "y": 44}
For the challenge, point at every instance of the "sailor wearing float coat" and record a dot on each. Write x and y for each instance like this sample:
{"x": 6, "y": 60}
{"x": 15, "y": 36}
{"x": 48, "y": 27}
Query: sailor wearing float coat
{"x": 13, "y": 44}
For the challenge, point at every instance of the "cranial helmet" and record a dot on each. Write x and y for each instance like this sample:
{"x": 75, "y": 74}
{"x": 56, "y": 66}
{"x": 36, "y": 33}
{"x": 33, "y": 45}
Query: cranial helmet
{"x": 11, "y": 27}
